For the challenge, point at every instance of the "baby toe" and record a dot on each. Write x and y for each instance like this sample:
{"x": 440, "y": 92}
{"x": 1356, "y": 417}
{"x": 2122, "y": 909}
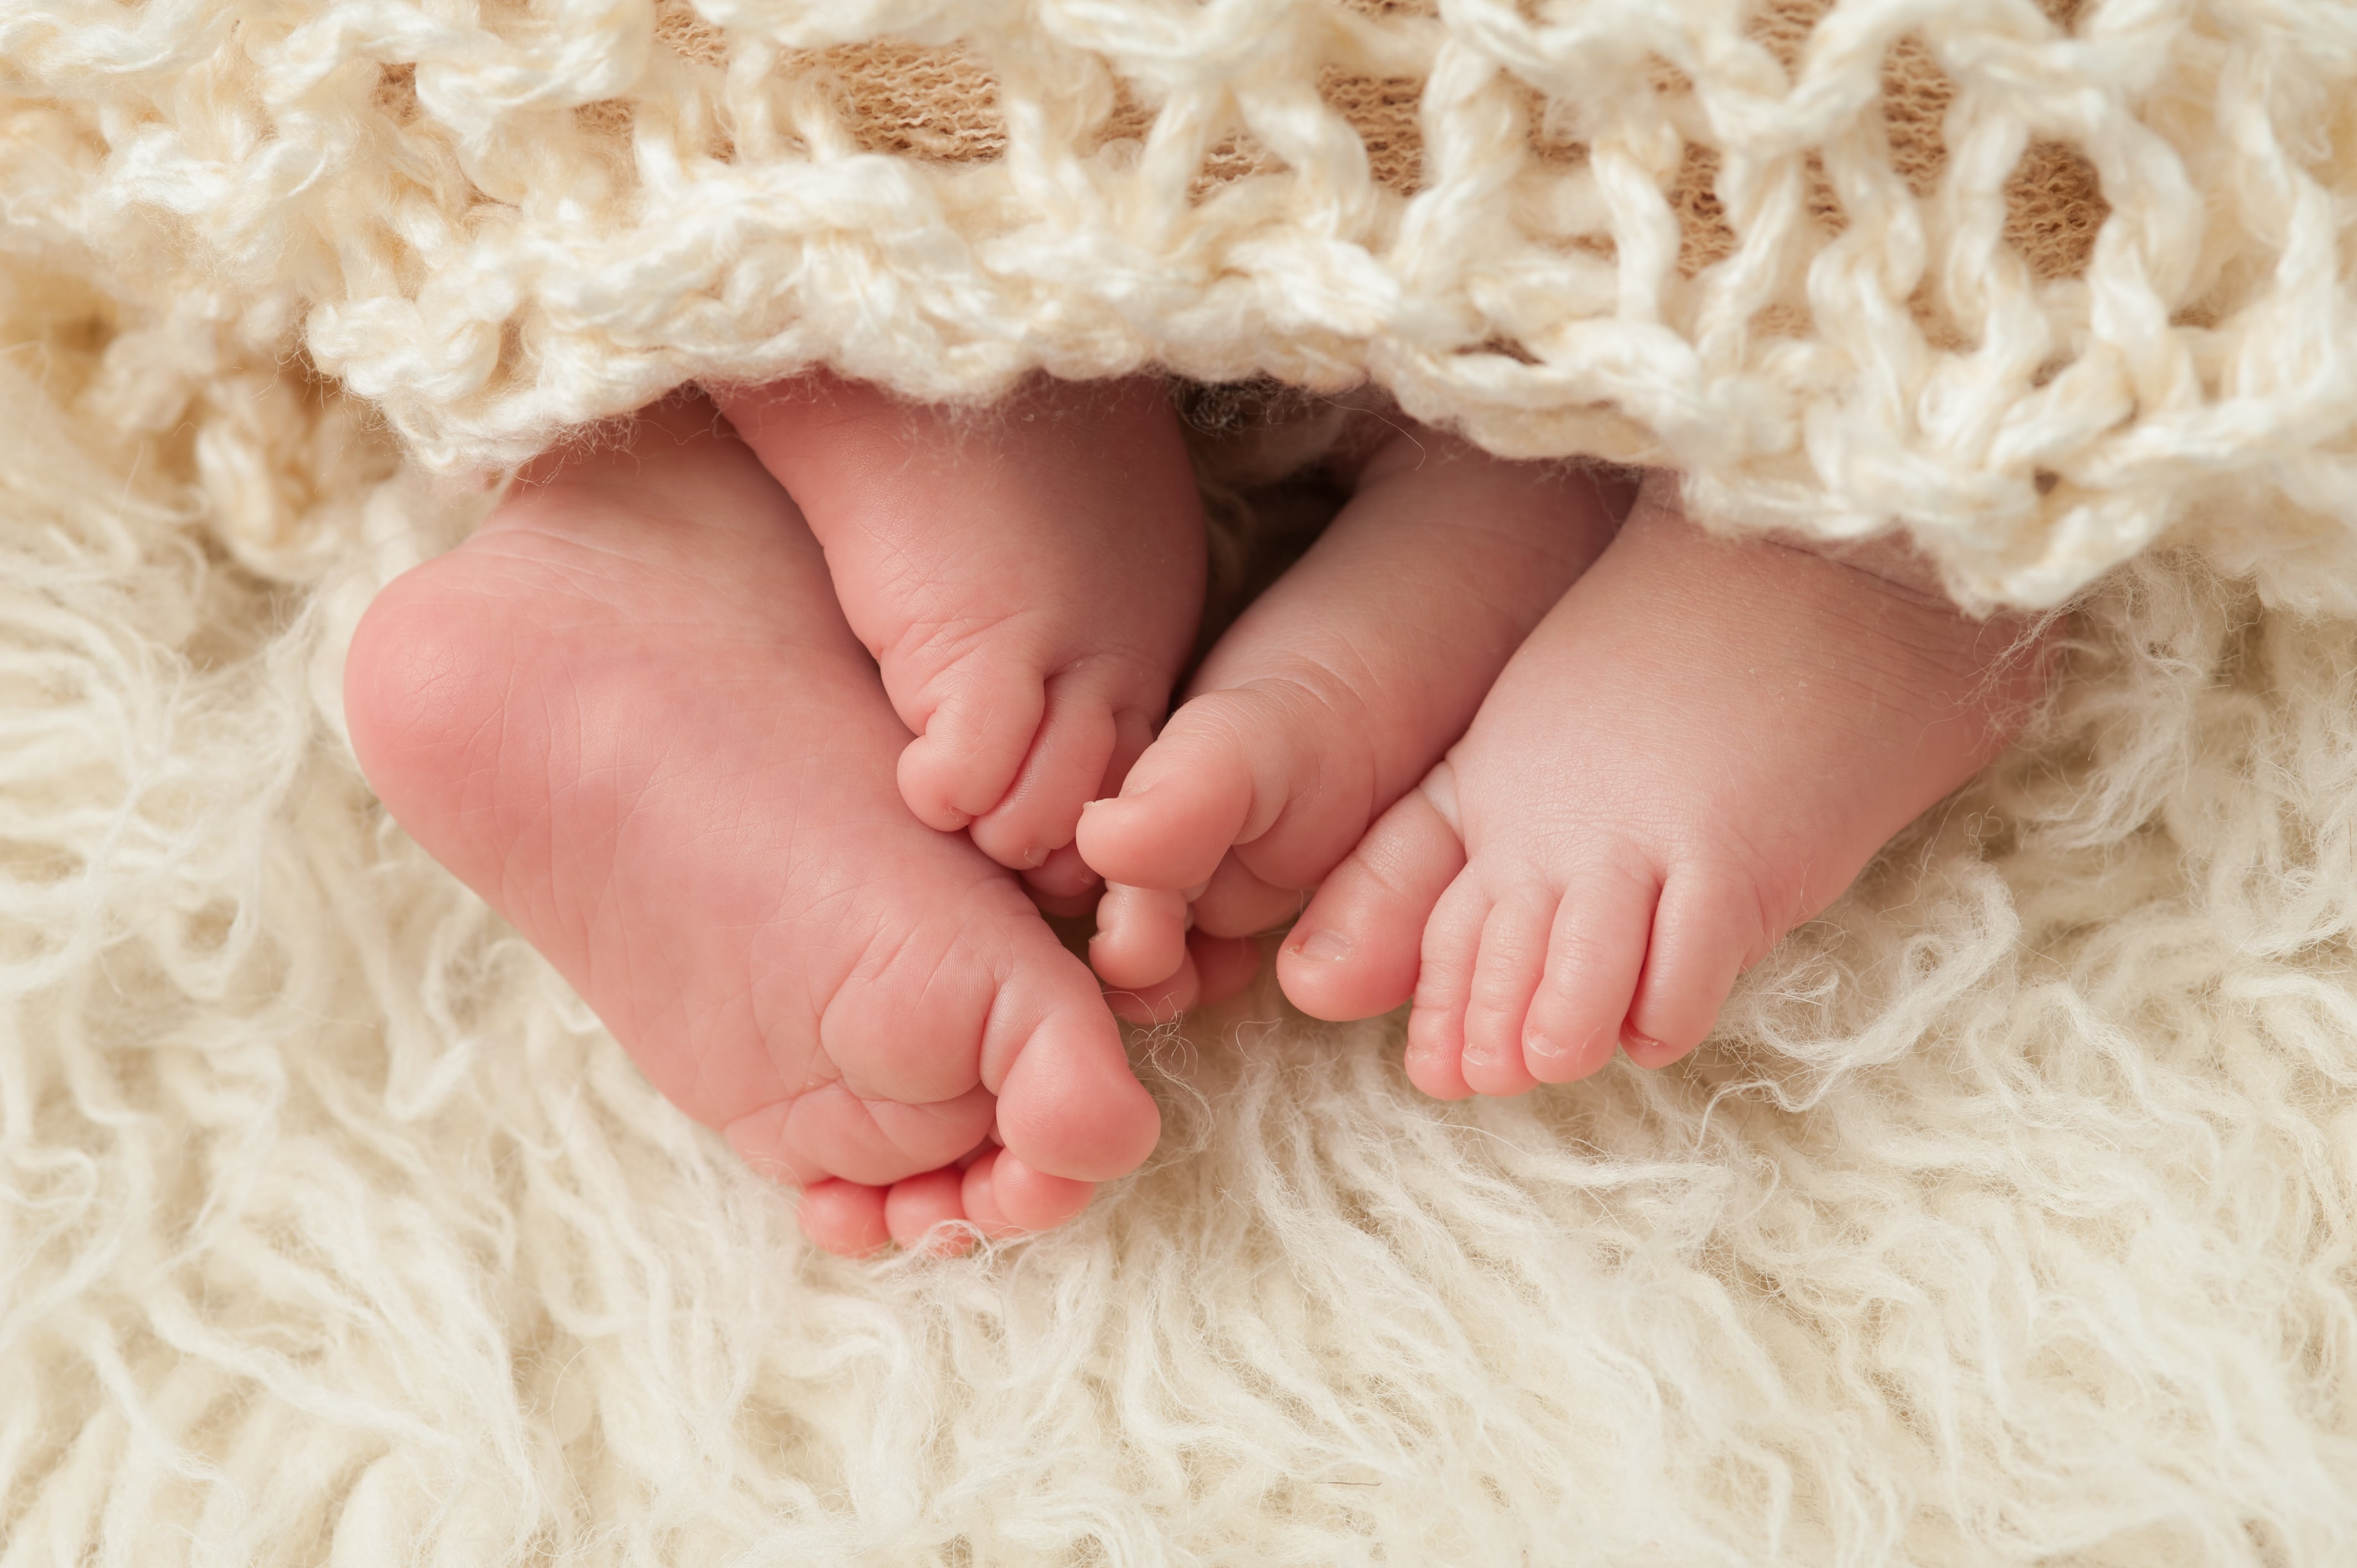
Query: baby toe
{"x": 1141, "y": 938}
{"x": 1237, "y": 902}
{"x": 1356, "y": 951}
{"x": 1069, "y": 1106}
{"x": 1704, "y": 933}
{"x": 1164, "y": 1002}
{"x": 1444, "y": 982}
{"x": 845, "y": 1217}
{"x": 1506, "y": 972}
{"x": 1181, "y": 805}
{"x": 928, "y": 1212}
{"x": 1068, "y": 1103}
{"x": 1067, "y": 759}
{"x": 1003, "y": 1197}
{"x": 1224, "y": 965}
{"x": 1063, "y": 878}
{"x": 1594, "y": 955}
{"x": 969, "y": 746}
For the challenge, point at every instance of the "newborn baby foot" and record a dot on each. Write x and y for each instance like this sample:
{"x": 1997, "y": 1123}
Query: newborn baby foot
{"x": 628, "y": 713}
{"x": 1335, "y": 692}
{"x": 1699, "y": 748}
{"x": 1029, "y": 578}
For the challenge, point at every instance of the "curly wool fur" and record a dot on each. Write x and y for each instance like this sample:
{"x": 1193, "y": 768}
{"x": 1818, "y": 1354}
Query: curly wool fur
{"x": 2011, "y": 1219}
{"x": 2040, "y": 287}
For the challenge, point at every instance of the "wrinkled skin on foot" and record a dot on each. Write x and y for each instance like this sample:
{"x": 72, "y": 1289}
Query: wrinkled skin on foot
{"x": 1699, "y": 748}
{"x": 628, "y": 714}
{"x": 1028, "y": 577}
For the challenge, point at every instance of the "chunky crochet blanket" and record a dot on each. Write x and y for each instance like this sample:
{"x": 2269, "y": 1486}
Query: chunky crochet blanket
{"x": 2040, "y": 285}
{"x": 2010, "y": 1218}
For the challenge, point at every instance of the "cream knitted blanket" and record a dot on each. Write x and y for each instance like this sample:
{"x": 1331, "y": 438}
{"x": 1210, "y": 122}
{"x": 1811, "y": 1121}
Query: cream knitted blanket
{"x": 2041, "y": 287}
{"x": 2010, "y": 1218}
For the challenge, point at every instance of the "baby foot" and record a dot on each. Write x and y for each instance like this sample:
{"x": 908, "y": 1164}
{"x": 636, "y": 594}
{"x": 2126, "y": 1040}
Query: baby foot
{"x": 1334, "y": 692}
{"x": 628, "y": 713}
{"x": 1030, "y": 579}
{"x": 1699, "y": 748}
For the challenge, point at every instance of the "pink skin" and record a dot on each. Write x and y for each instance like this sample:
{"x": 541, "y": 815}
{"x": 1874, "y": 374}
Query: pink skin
{"x": 1029, "y": 578}
{"x": 1699, "y": 749}
{"x": 628, "y": 714}
{"x": 1334, "y": 692}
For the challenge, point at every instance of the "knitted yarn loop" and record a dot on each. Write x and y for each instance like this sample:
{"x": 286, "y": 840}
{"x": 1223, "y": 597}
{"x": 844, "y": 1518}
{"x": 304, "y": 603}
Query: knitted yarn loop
{"x": 2039, "y": 285}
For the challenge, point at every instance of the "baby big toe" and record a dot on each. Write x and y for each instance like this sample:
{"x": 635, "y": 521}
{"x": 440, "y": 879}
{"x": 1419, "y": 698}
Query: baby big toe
{"x": 1181, "y": 806}
{"x": 1594, "y": 956}
{"x": 1069, "y": 1104}
{"x": 1355, "y": 950}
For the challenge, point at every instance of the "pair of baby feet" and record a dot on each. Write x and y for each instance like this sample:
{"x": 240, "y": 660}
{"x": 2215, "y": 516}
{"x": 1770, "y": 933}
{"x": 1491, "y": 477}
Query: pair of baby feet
{"x": 1556, "y": 782}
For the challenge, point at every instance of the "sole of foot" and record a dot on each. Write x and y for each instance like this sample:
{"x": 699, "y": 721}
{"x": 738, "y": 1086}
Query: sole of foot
{"x": 628, "y": 713}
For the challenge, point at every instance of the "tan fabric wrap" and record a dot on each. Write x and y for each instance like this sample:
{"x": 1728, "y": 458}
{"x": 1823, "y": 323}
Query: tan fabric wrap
{"x": 941, "y": 104}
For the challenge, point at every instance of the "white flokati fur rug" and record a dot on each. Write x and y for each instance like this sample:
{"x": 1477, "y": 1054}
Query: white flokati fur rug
{"x": 2012, "y": 1217}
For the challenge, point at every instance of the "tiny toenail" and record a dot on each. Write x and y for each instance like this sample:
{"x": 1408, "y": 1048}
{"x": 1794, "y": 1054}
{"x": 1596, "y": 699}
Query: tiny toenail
{"x": 1643, "y": 1046}
{"x": 1537, "y": 1044}
{"x": 1035, "y": 858}
{"x": 1323, "y": 947}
